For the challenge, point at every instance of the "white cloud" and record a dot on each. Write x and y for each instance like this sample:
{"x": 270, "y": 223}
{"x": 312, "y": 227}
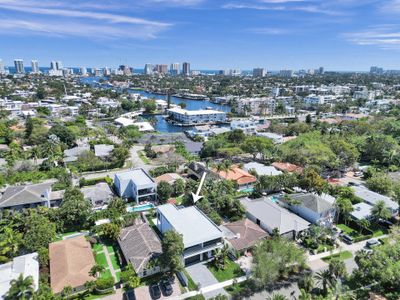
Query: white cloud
{"x": 383, "y": 36}
{"x": 269, "y": 31}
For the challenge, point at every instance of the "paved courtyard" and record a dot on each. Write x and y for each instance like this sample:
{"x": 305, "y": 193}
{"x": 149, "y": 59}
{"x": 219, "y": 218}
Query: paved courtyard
{"x": 201, "y": 275}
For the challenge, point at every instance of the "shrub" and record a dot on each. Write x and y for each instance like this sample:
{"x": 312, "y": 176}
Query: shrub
{"x": 104, "y": 283}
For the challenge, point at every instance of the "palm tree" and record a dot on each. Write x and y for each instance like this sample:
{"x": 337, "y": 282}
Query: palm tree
{"x": 21, "y": 288}
{"x": 277, "y": 297}
{"x": 306, "y": 283}
{"x": 10, "y": 242}
{"x": 325, "y": 279}
{"x": 343, "y": 207}
{"x": 96, "y": 270}
{"x": 364, "y": 224}
{"x": 220, "y": 257}
{"x": 380, "y": 211}
{"x": 304, "y": 295}
{"x": 337, "y": 267}
{"x": 67, "y": 291}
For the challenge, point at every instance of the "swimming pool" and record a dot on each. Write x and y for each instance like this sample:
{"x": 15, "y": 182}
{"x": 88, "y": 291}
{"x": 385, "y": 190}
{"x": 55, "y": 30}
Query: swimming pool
{"x": 248, "y": 190}
{"x": 274, "y": 199}
{"x": 140, "y": 208}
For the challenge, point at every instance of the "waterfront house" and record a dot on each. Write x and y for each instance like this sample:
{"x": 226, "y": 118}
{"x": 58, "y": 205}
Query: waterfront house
{"x": 135, "y": 184}
{"x": 196, "y": 117}
{"x": 201, "y": 237}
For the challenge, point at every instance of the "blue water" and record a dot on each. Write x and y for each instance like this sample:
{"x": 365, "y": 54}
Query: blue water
{"x": 140, "y": 208}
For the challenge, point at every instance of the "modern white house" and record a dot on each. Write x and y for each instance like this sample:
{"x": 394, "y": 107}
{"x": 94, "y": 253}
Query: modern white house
{"x": 246, "y": 125}
{"x": 316, "y": 209}
{"x": 261, "y": 169}
{"x": 27, "y": 265}
{"x": 196, "y": 117}
{"x": 135, "y": 184}
{"x": 201, "y": 237}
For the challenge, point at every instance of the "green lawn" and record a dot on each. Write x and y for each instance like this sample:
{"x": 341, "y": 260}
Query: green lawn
{"x": 192, "y": 286}
{"x": 101, "y": 260}
{"x": 97, "y": 247}
{"x": 346, "y": 229}
{"x": 106, "y": 274}
{"x": 231, "y": 271}
{"x": 115, "y": 262}
{"x": 143, "y": 157}
{"x": 110, "y": 249}
{"x": 118, "y": 275}
{"x": 342, "y": 256}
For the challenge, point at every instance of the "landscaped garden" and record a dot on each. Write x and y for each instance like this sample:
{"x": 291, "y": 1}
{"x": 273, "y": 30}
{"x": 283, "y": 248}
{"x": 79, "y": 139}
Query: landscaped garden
{"x": 100, "y": 251}
{"x": 359, "y": 234}
{"x": 342, "y": 256}
{"x": 230, "y": 271}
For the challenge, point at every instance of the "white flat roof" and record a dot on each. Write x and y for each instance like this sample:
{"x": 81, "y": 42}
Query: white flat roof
{"x": 138, "y": 176}
{"x": 27, "y": 264}
{"x": 194, "y": 225}
{"x": 195, "y": 112}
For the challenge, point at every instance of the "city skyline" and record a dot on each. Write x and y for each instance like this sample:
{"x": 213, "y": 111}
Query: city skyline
{"x": 342, "y": 35}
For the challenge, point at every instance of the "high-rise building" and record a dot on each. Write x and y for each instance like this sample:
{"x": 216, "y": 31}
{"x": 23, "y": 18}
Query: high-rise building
{"x": 286, "y": 73}
{"x": 161, "y": 69}
{"x": 186, "y": 68}
{"x": 259, "y": 72}
{"x": 126, "y": 70}
{"x": 148, "y": 69}
{"x": 53, "y": 65}
{"x": 174, "y": 70}
{"x": 19, "y": 66}
{"x": 35, "y": 66}
{"x": 2, "y": 67}
{"x": 106, "y": 71}
{"x": 376, "y": 70}
{"x": 321, "y": 71}
{"x": 83, "y": 71}
{"x": 59, "y": 65}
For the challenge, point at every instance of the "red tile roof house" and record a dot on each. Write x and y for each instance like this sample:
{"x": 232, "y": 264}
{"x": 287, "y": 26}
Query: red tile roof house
{"x": 243, "y": 179}
{"x": 288, "y": 167}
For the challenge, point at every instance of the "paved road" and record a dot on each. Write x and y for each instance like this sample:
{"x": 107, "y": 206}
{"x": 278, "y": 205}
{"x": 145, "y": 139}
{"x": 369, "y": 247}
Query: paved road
{"x": 137, "y": 162}
{"x": 200, "y": 274}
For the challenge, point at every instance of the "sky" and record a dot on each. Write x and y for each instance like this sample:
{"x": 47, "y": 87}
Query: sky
{"x": 344, "y": 35}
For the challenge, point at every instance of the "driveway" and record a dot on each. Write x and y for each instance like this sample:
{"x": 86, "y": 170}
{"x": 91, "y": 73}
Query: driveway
{"x": 137, "y": 162}
{"x": 201, "y": 275}
{"x": 143, "y": 293}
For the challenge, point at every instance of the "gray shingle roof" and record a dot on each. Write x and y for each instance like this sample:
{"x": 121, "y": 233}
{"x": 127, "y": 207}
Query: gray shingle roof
{"x": 139, "y": 243}
{"x": 314, "y": 202}
{"x": 24, "y": 194}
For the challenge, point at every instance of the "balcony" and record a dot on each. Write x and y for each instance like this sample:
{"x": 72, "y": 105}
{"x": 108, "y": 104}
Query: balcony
{"x": 199, "y": 249}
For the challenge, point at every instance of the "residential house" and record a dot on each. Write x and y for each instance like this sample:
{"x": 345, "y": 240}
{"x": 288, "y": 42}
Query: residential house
{"x": 244, "y": 234}
{"x": 270, "y": 216}
{"x": 372, "y": 198}
{"x": 316, "y": 209}
{"x": 141, "y": 247}
{"x": 99, "y": 195}
{"x": 27, "y": 265}
{"x": 201, "y": 237}
{"x": 168, "y": 177}
{"x": 243, "y": 179}
{"x": 262, "y": 170}
{"x": 193, "y": 117}
{"x": 361, "y": 211}
{"x": 71, "y": 155}
{"x": 70, "y": 263}
{"x": 288, "y": 167}
{"x": 29, "y": 196}
{"x": 135, "y": 184}
{"x": 246, "y": 125}
{"x": 103, "y": 150}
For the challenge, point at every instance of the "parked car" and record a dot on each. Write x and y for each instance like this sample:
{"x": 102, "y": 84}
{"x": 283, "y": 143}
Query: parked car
{"x": 129, "y": 295}
{"x": 372, "y": 243}
{"x": 166, "y": 288}
{"x": 347, "y": 239}
{"x": 155, "y": 291}
{"x": 367, "y": 250}
{"x": 385, "y": 223}
{"x": 358, "y": 174}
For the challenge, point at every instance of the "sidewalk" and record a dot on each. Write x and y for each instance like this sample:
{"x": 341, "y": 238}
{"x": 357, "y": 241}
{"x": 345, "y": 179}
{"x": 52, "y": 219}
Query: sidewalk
{"x": 343, "y": 247}
{"x": 210, "y": 288}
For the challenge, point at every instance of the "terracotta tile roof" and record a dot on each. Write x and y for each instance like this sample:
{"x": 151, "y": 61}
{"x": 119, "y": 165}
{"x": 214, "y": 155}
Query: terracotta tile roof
{"x": 167, "y": 177}
{"x": 287, "y": 167}
{"x": 247, "y": 234}
{"x": 238, "y": 175}
{"x": 70, "y": 263}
